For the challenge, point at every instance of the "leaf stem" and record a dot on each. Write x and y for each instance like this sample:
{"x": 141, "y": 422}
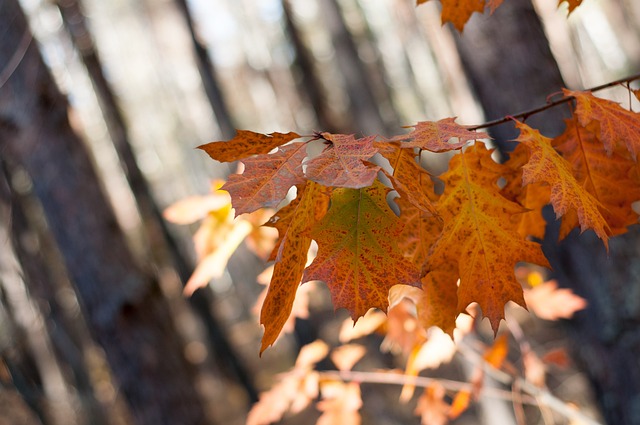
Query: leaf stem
{"x": 526, "y": 114}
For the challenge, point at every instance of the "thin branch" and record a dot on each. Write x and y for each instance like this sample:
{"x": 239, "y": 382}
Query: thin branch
{"x": 526, "y": 114}
{"x": 418, "y": 381}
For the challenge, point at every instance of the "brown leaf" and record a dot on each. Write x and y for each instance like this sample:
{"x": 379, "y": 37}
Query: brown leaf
{"x": 460, "y": 404}
{"x": 437, "y": 136}
{"x": 245, "y": 144}
{"x": 497, "y": 353}
{"x": 342, "y": 163}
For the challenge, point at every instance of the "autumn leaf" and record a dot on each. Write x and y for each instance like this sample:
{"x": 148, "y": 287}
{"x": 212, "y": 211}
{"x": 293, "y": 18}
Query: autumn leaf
{"x": 497, "y": 353}
{"x": 437, "y": 136}
{"x": 571, "y": 3}
{"x": 533, "y": 197}
{"x": 294, "y": 391}
{"x": 432, "y": 407}
{"x": 245, "y": 144}
{"x": 293, "y": 223}
{"x": 459, "y": 404}
{"x": 412, "y": 182}
{"x": 479, "y": 243}
{"x": 266, "y": 179}
{"x": 458, "y": 12}
{"x": 546, "y": 165}
{"x": 616, "y": 124}
{"x": 549, "y": 302}
{"x": 346, "y": 356}
{"x": 340, "y": 404}
{"x": 608, "y": 177}
{"x": 342, "y": 163}
{"x": 357, "y": 255}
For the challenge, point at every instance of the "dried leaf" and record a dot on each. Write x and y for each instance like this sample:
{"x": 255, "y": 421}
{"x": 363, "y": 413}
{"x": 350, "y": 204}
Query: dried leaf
{"x": 340, "y": 404}
{"x": 245, "y": 144}
{"x": 479, "y": 243}
{"x": 345, "y": 356}
{"x": 616, "y": 124}
{"x": 436, "y": 136}
{"x": 546, "y": 165}
{"x": 266, "y": 179}
{"x": 460, "y": 404}
{"x": 549, "y": 302}
{"x": 357, "y": 257}
{"x": 497, "y": 353}
{"x": 342, "y": 163}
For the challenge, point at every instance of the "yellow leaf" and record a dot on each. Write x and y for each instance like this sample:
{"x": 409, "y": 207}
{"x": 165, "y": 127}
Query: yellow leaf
{"x": 479, "y": 243}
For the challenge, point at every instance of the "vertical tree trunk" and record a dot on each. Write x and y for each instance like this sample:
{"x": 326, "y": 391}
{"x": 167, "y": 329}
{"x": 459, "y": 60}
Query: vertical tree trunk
{"x": 161, "y": 241}
{"x": 512, "y": 68}
{"x": 124, "y": 308}
{"x": 208, "y": 75}
{"x": 363, "y": 104}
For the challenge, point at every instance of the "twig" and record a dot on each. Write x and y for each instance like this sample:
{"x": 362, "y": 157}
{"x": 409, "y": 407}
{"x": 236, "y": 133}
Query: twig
{"x": 526, "y": 114}
{"x": 543, "y": 396}
{"x": 419, "y": 381}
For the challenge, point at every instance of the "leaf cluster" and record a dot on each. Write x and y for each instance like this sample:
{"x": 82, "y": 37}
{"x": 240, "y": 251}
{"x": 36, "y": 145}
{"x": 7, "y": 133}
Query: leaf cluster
{"x": 378, "y": 221}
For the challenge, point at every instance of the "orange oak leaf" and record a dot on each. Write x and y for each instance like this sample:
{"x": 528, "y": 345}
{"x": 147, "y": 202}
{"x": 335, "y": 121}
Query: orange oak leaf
{"x": 546, "y": 165}
{"x": 616, "y": 124}
{"x": 533, "y": 196}
{"x": 357, "y": 254}
{"x": 342, "y": 163}
{"x": 246, "y": 143}
{"x": 479, "y": 240}
{"x": 437, "y": 136}
{"x": 292, "y": 222}
{"x": 458, "y": 12}
{"x": 420, "y": 231}
{"x": 266, "y": 179}
{"x": 608, "y": 177}
{"x": 439, "y": 304}
{"x": 410, "y": 180}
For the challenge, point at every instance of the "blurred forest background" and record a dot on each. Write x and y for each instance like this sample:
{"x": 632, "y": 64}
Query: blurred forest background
{"x": 101, "y": 106}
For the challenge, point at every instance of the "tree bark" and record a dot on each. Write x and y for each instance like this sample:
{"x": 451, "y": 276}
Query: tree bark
{"x": 511, "y": 67}
{"x": 124, "y": 307}
{"x": 164, "y": 248}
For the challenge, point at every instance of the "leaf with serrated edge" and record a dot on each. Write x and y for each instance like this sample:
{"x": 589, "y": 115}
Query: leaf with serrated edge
{"x": 546, "y": 165}
{"x": 410, "y": 180}
{"x": 607, "y": 177}
{"x": 479, "y": 236}
{"x": 357, "y": 253}
{"x": 533, "y": 196}
{"x": 291, "y": 259}
{"x": 436, "y": 136}
{"x": 342, "y": 163}
{"x": 266, "y": 179}
{"x": 617, "y": 125}
{"x": 458, "y": 12}
{"x": 246, "y": 143}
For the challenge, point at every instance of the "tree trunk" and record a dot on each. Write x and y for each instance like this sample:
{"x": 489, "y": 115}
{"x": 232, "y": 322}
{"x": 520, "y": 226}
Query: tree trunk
{"x": 124, "y": 307}
{"x": 164, "y": 248}
{"x": 512, "y": 68}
